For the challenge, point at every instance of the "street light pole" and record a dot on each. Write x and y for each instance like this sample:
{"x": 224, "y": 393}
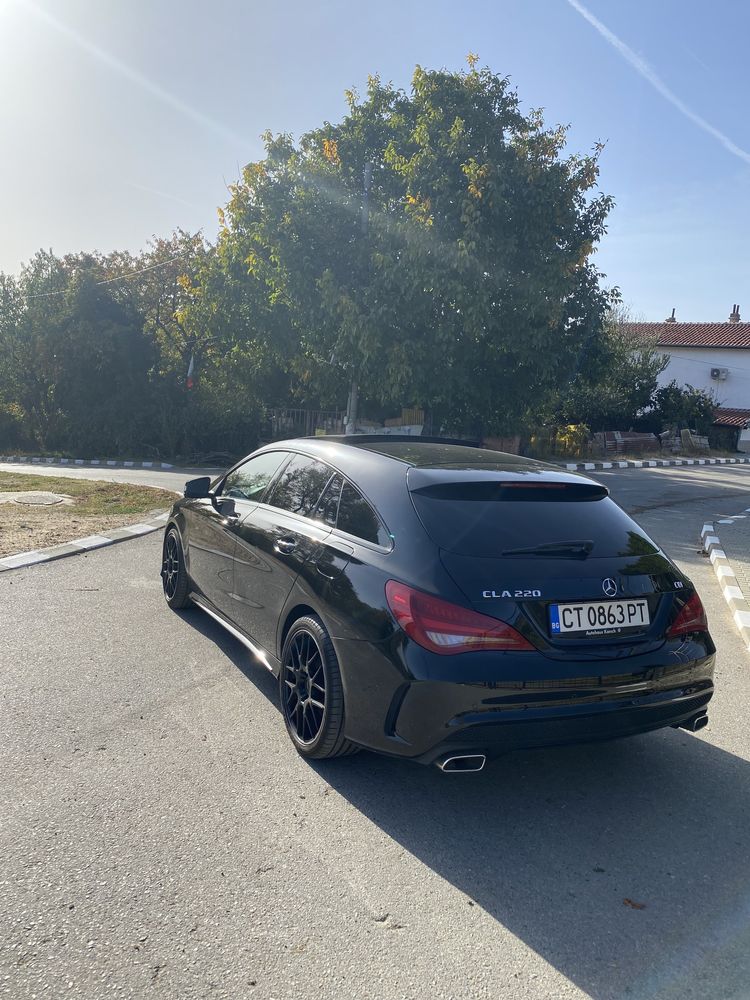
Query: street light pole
{"x": 351, "y": 408}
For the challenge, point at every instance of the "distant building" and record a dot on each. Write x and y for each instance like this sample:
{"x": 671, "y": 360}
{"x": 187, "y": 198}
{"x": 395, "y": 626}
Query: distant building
{"x": 710, "y": 356}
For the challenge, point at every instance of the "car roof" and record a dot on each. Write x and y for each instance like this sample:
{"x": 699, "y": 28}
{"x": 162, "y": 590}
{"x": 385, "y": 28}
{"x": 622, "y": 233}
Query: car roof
{"x": 381, "y": 451}
{"x": 379, "y": 463}
{"x": 436, "y": 453}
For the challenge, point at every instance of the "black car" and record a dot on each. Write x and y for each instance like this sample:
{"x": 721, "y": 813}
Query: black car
{"x": 440, "y": 602}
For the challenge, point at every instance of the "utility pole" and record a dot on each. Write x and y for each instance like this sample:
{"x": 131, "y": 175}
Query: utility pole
{"x": 351, "y": 406}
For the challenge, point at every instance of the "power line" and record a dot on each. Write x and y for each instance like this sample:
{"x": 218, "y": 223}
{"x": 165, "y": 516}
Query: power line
{"x": 698, "y": 361}
{"x": 109, "y": 281}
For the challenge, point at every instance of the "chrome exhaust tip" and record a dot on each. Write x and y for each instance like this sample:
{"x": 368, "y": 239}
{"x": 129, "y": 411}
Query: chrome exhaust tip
{"x": 696, "y": 723}
{"x": 463, "y": 763}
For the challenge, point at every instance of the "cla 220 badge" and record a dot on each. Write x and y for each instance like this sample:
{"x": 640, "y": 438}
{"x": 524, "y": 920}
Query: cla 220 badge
{"x": 511, "y": 593}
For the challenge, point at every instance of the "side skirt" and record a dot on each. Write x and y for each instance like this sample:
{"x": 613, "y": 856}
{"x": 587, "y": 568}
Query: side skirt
{"x": 268, "y": 661}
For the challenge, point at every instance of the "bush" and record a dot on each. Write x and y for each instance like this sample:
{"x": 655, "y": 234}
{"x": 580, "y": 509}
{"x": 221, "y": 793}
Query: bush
{"x": 676, "y": 407}
{"x": 14, "y": 427}
{"x": 568, "y": 441}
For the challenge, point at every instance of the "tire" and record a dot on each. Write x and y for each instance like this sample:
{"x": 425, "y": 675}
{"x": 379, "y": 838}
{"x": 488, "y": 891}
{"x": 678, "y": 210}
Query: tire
{"x": 174, "y": 576}
{"x": 311, "y": 694}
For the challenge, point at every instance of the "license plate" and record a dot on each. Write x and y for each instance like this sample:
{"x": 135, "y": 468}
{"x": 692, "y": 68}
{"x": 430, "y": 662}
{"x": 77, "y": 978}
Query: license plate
{"x": 597, "y": 618}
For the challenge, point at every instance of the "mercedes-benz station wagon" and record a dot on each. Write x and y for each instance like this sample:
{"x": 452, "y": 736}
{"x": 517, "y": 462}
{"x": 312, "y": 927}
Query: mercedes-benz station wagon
{"x": 440, "y": 602}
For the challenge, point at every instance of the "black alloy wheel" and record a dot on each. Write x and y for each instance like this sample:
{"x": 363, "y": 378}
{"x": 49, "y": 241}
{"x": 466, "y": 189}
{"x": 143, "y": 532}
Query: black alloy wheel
{"x": 173, "y": 573}
{"x": 312, "y": 698}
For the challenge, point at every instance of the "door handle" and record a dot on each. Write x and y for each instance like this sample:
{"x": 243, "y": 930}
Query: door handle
{"x": 285, "y": 545}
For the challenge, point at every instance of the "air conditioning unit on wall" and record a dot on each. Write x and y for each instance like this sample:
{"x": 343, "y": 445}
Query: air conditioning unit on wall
{"x": 719, "y": 374}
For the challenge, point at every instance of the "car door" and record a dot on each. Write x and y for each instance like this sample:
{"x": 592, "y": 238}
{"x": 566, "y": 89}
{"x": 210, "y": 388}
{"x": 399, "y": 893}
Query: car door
{"x": 275, "y": 540}
{"x": 212, "y": 522}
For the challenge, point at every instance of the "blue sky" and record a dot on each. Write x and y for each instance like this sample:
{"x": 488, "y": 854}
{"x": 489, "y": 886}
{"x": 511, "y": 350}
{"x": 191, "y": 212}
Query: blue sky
{"x": 119, "y": 121}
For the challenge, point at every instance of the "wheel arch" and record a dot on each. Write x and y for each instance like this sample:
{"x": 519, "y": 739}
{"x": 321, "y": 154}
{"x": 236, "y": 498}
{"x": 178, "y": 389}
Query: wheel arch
{"x": 177, "y": 521}
{"x": 299, "y": 610}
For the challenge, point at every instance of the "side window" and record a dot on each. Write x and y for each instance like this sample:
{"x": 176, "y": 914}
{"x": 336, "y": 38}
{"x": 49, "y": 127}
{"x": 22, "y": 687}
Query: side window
{"x": 357, "y": 517}
{"x": 328, "y": 505}
{"x": 300, "y": 485}
{"x": 249, "y": 480}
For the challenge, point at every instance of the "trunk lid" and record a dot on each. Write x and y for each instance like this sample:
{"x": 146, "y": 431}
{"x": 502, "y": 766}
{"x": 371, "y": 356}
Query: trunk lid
{"x": 519, "y": 546}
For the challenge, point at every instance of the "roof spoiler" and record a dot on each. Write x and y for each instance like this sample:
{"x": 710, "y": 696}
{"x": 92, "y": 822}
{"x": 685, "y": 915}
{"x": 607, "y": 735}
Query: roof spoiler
{"x": 496, "y": 489}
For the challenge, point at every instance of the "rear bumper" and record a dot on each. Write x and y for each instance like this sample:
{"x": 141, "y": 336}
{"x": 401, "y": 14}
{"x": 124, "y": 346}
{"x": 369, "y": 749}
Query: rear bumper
{"x": 496, "y": 733}
{"x": 396, "y": 711}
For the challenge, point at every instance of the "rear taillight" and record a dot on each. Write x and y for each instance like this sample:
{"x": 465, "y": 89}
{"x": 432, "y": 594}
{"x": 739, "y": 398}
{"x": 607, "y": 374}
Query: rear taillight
{"x": 447, "y": 628}
{"x": 691, "y": 618}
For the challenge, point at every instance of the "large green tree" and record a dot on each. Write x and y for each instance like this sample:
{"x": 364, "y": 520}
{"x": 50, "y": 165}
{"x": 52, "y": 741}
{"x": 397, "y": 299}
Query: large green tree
{"x": 435, "y": 245}
{"x": 73, "y": 359}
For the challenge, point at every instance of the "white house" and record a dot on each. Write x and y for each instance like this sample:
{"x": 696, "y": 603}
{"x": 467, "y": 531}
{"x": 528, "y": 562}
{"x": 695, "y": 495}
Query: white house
{"x": 710, "y": 356}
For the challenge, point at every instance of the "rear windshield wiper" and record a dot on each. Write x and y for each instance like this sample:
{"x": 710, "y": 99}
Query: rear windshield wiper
{"x": 577, "y": 548}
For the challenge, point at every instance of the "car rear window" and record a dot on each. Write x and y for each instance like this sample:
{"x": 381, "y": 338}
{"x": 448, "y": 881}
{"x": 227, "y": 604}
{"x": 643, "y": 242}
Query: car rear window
{"x": 473, "y": 520}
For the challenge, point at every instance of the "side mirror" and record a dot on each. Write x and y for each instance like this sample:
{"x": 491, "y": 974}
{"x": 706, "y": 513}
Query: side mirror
{"x": 198, "y": 489}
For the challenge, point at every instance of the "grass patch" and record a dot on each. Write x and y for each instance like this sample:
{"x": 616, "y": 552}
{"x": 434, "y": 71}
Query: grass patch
{"x": 96, "y": 508}
{"x": 92, "y": 498}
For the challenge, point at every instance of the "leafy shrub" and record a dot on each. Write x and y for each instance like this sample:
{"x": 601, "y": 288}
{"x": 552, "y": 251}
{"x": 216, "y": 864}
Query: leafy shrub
{"x": 14, "y": 427}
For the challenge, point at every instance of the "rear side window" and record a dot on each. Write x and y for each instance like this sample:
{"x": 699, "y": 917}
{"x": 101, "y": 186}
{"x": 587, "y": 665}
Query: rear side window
{"x": 468, "y": 523}
{"x": 356, "y": 517}
{"x": 249, "y": 480}
{"x": 300, "y": 485}
{"x": 328, "y": 505}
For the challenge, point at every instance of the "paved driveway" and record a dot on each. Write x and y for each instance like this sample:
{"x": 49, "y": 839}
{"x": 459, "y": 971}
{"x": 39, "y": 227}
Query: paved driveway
{"x": 159, "y": 837}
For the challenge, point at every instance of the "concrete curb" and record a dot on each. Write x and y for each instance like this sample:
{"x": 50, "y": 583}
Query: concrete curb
{"x": 654, "y": 463}
{"x": 107, "y": 464}
{"x": 83, "y": 544}
{"x": 730, "y": 587}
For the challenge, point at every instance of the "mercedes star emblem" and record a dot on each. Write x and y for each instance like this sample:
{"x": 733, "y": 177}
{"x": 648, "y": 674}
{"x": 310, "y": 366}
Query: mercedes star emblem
{"x": 609, "y": 587}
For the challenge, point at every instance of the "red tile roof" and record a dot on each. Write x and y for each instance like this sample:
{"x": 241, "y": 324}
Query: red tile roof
{"x": 725, "y": 416}
{"x": 693, "y": 334}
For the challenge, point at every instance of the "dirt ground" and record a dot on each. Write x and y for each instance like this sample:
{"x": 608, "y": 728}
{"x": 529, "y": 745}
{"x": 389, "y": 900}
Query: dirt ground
{"x": 26, "y": 528}
{"x": 93, "y": 507}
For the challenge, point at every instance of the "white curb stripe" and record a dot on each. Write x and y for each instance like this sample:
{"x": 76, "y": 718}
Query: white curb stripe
{"x": 727, "y": 580}
{"x": 111, "y": 463}
{"x": 78, "y": 545}
{"x": 138, "y": 529}
{"x": 650, "y": 463}
{"x": 91, "y": 541}
{"x": 22, "y": 559}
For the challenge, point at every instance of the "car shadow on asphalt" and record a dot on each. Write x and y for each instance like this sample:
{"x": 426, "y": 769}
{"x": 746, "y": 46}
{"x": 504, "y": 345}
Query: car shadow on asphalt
{"x": 233, "y": 649}
{"x": 625, "y": 865}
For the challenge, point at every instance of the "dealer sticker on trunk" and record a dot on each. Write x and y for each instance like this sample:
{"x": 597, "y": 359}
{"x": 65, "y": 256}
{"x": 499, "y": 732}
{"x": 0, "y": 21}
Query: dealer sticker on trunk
{"x": 597, "y": 618}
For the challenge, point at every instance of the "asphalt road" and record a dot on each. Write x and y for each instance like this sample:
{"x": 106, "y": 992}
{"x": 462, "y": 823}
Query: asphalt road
{"x": 163, "y": 478}
{"x": 160, "y": 838}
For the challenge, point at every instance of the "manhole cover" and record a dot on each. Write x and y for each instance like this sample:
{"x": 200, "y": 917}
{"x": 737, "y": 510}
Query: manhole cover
{"x": 38, "y": 498}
